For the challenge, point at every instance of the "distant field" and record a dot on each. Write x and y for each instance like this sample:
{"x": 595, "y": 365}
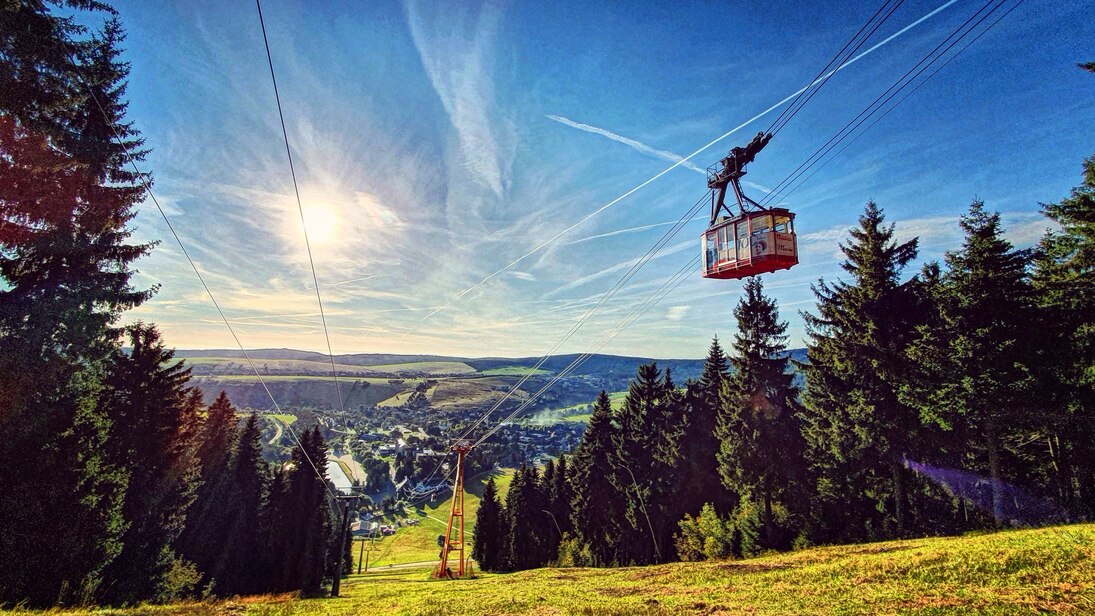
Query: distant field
{"x": 515, "y": 371}
{"x": 426, "y": 367}
{"x": 1049, "y": 570}
{"x": 283, "y": 417}
{"x": 616, "y": 398}
{"x": 236, "y": 365}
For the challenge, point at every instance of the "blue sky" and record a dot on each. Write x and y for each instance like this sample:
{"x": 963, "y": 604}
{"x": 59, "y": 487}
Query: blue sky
{"x": 435, "y": 144}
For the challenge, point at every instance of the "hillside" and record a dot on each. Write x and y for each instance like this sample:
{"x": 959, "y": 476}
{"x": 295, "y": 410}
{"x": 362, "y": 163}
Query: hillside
{"x": 302, "y": 378}
{"x": 1015, "y": 572}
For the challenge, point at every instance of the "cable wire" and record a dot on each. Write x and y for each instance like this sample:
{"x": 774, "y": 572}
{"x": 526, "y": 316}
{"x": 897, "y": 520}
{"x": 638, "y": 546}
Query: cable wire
{"x": 143, "y": 178}
{"x": 882, "y": 99}
{"x": 901, "y": 100}
{"x": 300, "y": 207}
{"x": 790, "y": 111}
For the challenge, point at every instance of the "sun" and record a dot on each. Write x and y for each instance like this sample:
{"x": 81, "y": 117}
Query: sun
{"x": 322, "y": 224}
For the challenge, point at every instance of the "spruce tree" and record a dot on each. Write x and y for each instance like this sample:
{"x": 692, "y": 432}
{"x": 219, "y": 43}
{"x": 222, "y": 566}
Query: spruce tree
{"x": 651, "y": 422}
{"x": 154, "y": 415}
{"x": 700, "y": 481}
{"x": 761, "y": 452}
{"x": 209, "y": 520}
{"x": 1064, "y": 283}
{"x": 857, "y": 427}
{"x": 598, "y": 507}
{"x": 526, "y": 520}
{"x": 561, "y": 494}
{"x": 65, "y": 204}
{"x": 301, "y": 519}
{"x": 978, "y": 359}
{"x": 549, "y": 540}
{"x": 489, "y": 540}
{"x": 247, "y": 491}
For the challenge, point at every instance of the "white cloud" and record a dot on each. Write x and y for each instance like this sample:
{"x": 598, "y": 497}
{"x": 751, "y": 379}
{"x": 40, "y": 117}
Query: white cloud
{"x": 676, "y": 313}
{"x": 455, "y": 56}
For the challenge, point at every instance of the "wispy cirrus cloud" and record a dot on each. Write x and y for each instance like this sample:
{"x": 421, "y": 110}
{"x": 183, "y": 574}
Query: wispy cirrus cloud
{"x": 454, "y": 47}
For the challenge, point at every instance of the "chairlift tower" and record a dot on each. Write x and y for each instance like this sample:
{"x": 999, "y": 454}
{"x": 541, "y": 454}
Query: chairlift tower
{"x": 456, "y": 519}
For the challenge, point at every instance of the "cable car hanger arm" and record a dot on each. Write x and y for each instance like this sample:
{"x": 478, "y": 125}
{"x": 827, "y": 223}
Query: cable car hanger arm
{"x": 728, "y": 172}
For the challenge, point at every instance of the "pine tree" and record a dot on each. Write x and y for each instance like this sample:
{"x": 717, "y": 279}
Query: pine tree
{"x": 979, "y": 357}
{"x": 1064, "y": 282}
{"x": 857, "y": 428}
{"x": 489, "y": 544}
{"x": 65, "y": 202}
{"x": 761, "y": 451}
{"x": 597, "y": 507}
{"x": 208, "y": 521}
{"x": 154, "y": 416}
{"x": 700, "y": 481}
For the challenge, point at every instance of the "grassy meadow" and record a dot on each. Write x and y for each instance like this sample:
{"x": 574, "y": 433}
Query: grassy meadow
{"x": 1048, "y": 570}
{"x": 413, "y": 544}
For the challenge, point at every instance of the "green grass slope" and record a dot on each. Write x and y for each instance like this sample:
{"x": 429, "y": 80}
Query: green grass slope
{"x": 413, "y": 544}
{"x": 1047, "y": 570}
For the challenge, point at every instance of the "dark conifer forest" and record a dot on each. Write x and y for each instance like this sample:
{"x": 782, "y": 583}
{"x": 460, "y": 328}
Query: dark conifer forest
{"x": 954, "y": 398}
{"x": 150, "y": 492}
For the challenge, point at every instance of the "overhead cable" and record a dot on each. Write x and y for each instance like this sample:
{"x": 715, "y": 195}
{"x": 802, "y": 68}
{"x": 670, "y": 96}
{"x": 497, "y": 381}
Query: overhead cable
{"x": 300, "y": 207}
{"x": 143, "y": 178}
{"x": 685, "y": 159}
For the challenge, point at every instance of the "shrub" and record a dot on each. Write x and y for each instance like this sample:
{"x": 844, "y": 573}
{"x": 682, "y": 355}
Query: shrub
{"x": 705, "y": 536}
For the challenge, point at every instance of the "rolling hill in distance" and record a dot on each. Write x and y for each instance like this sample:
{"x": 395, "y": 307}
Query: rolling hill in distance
{"x": 303, "y": 378}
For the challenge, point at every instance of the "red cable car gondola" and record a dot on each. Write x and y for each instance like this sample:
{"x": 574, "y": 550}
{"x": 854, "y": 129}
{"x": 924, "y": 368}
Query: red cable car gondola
{"x": 756, "y": 240}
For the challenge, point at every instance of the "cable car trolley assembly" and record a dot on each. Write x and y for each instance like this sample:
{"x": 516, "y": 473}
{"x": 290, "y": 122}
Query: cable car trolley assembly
{"x": 755, "y": 239}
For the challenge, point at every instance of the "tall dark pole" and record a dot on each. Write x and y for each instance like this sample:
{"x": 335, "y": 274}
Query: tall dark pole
{"x": 343, "y": 527}
{"x": 360, "y": 553}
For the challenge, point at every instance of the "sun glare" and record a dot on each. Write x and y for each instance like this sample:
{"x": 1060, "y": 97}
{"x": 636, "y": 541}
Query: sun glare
{"x": 323, "y": 222}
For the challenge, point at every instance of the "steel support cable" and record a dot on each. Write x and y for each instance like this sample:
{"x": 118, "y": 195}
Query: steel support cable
{"x": 872, "y": 108}
{"x": 300, "y": 207}
{"x": 685, "y": 159}
{"x": 638, "y": 265}
{"x": 143, "y": 178}
{"x": 578, "y": 361}
{"x": 900, "y": 100}
{"x": 667, "y": 286}
{"x": 791, "y": 110}
{"x": 819, "y": 81}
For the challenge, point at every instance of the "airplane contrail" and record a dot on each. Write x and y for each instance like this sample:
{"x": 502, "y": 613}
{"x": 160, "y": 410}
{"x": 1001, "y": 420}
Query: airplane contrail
{"x": 685, "y": 159}
{"x": 638, "y": 145}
